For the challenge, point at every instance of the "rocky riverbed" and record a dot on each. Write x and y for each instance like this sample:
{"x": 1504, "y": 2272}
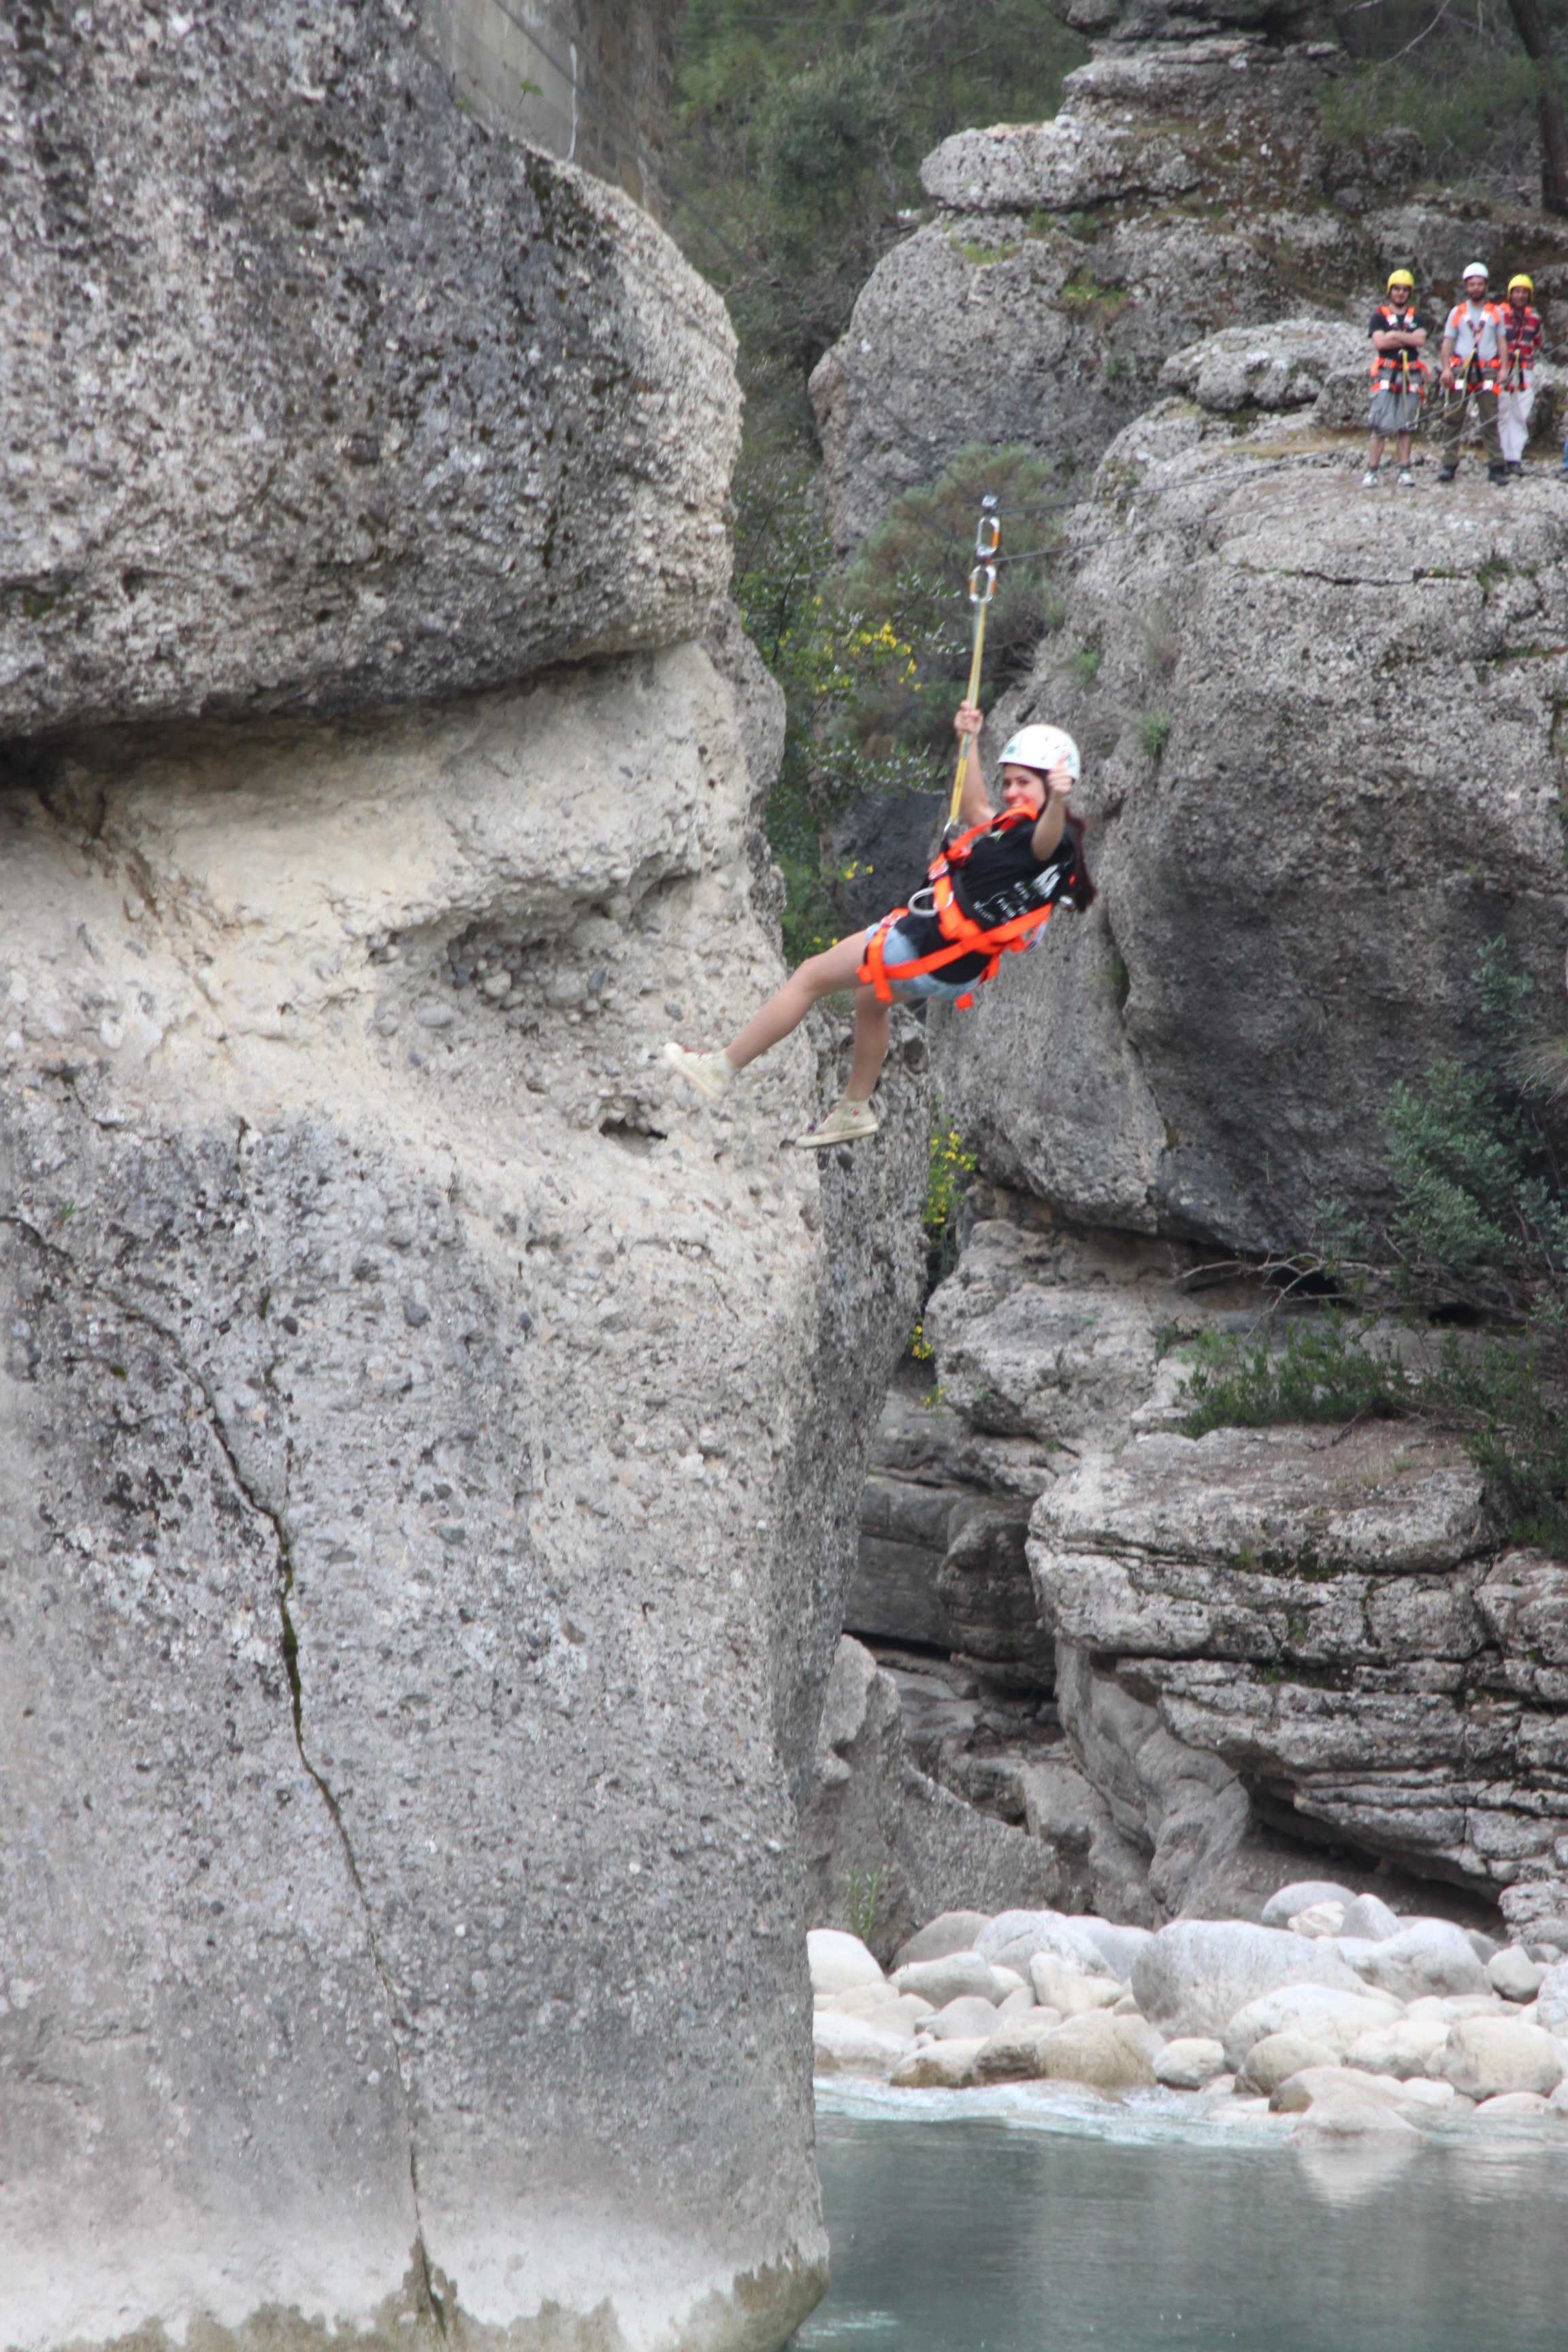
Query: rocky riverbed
{"x": 1335, "y": 2013}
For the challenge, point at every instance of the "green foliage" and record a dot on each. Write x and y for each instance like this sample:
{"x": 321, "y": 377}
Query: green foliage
{"x": 824, "y": 142}
{"x": 1460, "y": 79}
{"x": 1154, "y": 732}
{"x": 874, "y": 661}
{"x": 952, "y": 1163}
{"x": 1329, "y": 1369}
{"x": 1085, "y": 664}
{"x": 796, "y": 142}
{"x": 865, "y": 1901}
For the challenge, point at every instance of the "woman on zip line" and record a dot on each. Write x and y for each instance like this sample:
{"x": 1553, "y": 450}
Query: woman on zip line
{"x": 991, "y": 890}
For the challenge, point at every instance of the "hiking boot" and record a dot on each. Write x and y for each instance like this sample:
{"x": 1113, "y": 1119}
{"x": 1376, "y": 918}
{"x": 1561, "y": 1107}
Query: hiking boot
{"x": 1515, "y": 465}
{"x": 1497, "y": 473}
{"x": 1447, "y": 473}
{"x": 712, "y": 1075}
{"x": 846, "y": 1123}
{"x": 1369, "y": 480}
{"x": 1406, "y": 480}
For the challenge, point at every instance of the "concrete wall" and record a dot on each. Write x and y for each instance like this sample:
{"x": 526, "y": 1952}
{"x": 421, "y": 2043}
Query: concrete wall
{"x": 586, "y": 79}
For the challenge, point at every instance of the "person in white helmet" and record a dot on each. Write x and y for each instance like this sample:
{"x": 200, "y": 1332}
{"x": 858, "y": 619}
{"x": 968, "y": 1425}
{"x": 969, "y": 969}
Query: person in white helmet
{"x": 1017, "y": 862}
{"x": 1475, "y": 353}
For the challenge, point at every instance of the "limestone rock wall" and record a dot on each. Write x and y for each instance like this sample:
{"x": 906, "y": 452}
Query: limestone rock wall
{"x": 1296, "y": 882}
{"x": 421, "y": 1572}
{"x": 430, "y": 1443}
{"x": 1255, "y": 1656}
{"x": 315, "y": 395}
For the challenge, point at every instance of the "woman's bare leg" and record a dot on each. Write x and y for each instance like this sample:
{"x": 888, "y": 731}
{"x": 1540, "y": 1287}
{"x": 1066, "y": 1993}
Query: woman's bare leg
{"x": 818, "y": 977}
{"x": 873, "y": 1019}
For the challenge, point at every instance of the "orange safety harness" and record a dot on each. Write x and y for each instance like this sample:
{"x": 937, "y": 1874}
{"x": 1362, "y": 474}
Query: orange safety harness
{"x": 1389, "y": 365}
{"x": 1480, "y": 375}
{"x": 963, "y": 936}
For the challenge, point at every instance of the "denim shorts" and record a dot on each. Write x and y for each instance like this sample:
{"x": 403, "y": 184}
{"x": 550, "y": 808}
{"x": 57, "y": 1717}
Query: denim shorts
{"x": 934, "y": 986}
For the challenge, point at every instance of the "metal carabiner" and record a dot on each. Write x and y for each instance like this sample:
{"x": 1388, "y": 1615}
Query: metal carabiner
{"x": 988, "y": 572}
{"x": 988, "y": 534}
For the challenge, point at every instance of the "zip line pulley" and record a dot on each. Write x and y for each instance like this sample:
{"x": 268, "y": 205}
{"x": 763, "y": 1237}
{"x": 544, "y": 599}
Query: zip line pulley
{"x": 982, "y": 588}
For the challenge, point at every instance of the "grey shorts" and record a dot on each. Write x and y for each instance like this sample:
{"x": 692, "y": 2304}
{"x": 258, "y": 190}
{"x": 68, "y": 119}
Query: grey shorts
{"x": 1396, "y": 412}
{"x": 933, "y": 986}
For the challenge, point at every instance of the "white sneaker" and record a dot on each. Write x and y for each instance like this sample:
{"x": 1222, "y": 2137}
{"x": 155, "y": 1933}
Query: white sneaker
{"x": 712, "y": 1075}
{"x": 846, "y": 1123}
{"x": 1369, "y": 480}
{"x": 1406, "y": 480}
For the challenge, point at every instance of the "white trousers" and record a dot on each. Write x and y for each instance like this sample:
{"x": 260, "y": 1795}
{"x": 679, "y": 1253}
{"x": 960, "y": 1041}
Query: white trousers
{"x": 1513, "y": 423}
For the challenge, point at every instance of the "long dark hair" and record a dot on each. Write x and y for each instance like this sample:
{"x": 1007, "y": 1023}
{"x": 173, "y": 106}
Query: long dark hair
{"x": 1080, "y": 889}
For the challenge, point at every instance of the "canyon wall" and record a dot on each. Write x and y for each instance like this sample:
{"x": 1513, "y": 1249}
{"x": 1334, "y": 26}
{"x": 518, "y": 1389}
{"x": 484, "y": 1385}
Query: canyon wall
{"x": 429, "y": 1445}
{"x": 1184, "y": 1671}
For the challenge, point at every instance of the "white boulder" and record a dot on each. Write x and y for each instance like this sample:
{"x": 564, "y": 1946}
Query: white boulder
{"x": 1513, "y": 2103}
{"x": 1118, "y": 1946}
{"x": 1406, "y": 2047}
{"x": 1020, "y": 2002}
{"x": 1487, "y": 2055}
{"x": 1370, "y": 1918}
{"x": 904, "y": 2016}
{"x": 936, "y": 2065}
{"x": 1194, "y": 1976}
{"x": 1059, "y": 1985}
{"x": 1014, "y": 1938}
{"x": 1514, "y": 1974}
{"x": 1318, "y": 1919}
{"x": 961, "y": 1976}
{"x": 963, "y": 2021}
{"x": 1301, "y": 1896}
{"x": 1108, "y": 2054}
{"x": 838, "y": 1960}
{"x": 1011, "y": 2053}
{"x": 1552, "y": 1998}
{"x": 1320, "y": 2012}
{"x": 1429, "y": 1955}
{"x": 1279, "y": 2056}
{"x": 1189, "y": 2064}
{"x": 950, "y": 1931}
{"x": 852, "y": 2045}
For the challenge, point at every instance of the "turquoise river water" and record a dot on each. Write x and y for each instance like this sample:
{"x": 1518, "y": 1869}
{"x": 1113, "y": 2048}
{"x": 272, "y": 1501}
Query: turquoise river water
{"x": 1023, "y": 2220}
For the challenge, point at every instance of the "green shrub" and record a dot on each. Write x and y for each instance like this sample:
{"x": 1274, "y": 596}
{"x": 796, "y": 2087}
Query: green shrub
{"x": 1479, "y": 1222}
{"x": 952, "y": 1163}
{"x": 1154, "y": 732}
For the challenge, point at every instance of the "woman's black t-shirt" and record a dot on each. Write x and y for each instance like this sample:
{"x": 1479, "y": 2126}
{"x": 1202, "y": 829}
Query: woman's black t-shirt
{"x": 1000, "y": 878}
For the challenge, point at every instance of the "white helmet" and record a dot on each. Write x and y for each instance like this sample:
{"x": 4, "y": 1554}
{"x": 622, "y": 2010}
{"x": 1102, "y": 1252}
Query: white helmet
{"x": 1043, "y": 747}
{"x": 1476, "y": 269}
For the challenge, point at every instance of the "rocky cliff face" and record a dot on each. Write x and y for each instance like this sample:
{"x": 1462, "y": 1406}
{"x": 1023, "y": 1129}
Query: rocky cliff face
{"x": 316, "y": 396}
{"x": 428, "y": 1449}
{"x": 1297, "y": 876}
{"x": 1322, "y": 770}
{"x": 1187, "y": 185}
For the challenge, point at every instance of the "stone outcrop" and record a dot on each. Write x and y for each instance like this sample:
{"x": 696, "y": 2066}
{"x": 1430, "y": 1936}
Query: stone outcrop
{"x": 1248, "y": 1647}
{"x": 1187, "y": 186}
{"x": 316, "y": 397}
{"x": 1296, "y": 881}
{"x": 429, "y": 1445}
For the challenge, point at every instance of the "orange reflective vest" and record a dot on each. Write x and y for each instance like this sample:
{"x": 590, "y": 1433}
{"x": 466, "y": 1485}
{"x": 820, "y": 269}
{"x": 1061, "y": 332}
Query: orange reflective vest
{"x": 1393, "y": 371}
{"x": 961, "y": 933}
{"x": 1484, "y": 371}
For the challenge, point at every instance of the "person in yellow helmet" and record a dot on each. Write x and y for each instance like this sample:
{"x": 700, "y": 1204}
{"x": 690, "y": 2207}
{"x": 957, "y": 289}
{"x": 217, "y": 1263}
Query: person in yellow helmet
{"x": 1516, "y": 395}
{"x": 1399, "y": 334}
